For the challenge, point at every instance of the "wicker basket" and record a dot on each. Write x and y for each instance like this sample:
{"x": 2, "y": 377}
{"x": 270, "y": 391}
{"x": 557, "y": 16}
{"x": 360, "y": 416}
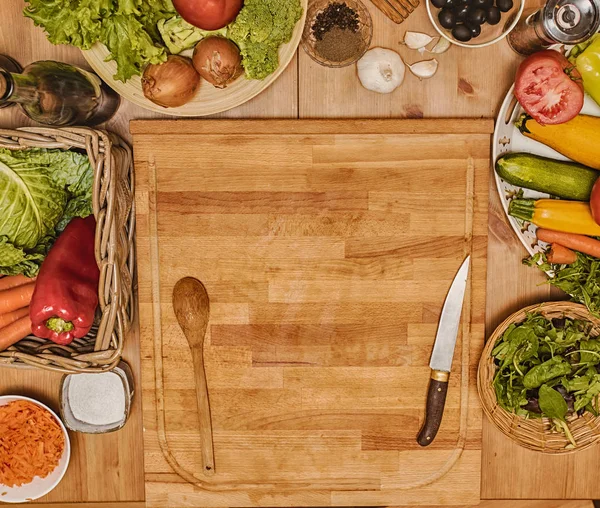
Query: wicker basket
{"x": 536, "y": 434}
{"x": 113, "y": 206}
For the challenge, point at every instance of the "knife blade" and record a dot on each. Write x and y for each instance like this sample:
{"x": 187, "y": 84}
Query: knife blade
{"x": 442, "y": 354}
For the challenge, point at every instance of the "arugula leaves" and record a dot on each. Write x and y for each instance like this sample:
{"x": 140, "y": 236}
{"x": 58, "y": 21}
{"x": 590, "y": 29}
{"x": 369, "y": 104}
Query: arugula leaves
{"x": 581, "y": 280}
{"x": 548, "y": 368}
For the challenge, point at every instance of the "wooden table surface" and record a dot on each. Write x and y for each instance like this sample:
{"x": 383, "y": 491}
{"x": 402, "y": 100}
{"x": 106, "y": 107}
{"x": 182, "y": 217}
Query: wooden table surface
{"x": 470, "y": 83}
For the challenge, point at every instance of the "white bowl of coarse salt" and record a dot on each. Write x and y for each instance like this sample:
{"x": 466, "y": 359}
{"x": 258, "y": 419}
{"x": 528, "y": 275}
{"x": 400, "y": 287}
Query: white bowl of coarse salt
{"x": 97, "y": 403}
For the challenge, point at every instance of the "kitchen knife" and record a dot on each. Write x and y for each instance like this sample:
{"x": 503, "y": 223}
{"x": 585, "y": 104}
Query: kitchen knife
{"x": 441, "y": 357}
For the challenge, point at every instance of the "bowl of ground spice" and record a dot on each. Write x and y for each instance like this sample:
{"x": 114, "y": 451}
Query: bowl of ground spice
{"x": 337, "y": 33}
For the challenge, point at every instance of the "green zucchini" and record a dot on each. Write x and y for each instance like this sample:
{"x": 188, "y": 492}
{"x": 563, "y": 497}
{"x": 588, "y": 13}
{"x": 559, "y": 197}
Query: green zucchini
{"x": 566, "y": 180}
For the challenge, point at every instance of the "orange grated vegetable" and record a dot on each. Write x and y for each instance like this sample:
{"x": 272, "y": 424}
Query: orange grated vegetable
{"x": 31, "y": 443}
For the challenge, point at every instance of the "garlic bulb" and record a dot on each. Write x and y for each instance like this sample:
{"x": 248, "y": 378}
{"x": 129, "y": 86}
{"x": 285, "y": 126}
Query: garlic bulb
{"x": 381, "y": 70}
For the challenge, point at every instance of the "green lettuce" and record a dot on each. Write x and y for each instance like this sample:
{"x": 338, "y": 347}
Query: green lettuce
{"x": 130, "y": 46}
{"x": 40, "y": 192}
{"x": 127, "y": 28}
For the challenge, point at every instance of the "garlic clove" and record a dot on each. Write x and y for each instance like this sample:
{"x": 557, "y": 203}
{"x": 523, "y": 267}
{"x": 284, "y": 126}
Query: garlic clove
{"x": 441, "y": 46}
{"x": 417, "y": 40}
{"x": 424, "y": 69}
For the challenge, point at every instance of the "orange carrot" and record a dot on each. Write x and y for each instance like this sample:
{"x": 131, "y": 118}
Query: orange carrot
{"x": 14, "y": 281}
{"x": 560, "y": 255}
{"x": 11, "y": 317}
{"x": 579, "y": 243}
{"x": 31, "y": 443}
{"x": 16, "y": 298}
{"x": 14, "y": 332}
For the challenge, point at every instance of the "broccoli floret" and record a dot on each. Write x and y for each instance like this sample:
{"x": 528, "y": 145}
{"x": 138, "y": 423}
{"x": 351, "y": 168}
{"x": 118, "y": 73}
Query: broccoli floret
{"x": 259, "y": 29}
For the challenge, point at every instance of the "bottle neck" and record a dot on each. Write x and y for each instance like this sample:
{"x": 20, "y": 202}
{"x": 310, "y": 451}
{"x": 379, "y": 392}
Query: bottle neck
{"x": 17, "y": 88}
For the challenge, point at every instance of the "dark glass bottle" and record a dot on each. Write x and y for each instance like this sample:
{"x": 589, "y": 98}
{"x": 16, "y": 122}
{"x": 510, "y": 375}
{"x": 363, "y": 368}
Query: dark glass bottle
{"x": 59, "y": 94}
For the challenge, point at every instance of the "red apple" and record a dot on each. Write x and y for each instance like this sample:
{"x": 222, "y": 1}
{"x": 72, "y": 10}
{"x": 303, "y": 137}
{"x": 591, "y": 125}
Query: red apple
{"x": 208, "y": 14}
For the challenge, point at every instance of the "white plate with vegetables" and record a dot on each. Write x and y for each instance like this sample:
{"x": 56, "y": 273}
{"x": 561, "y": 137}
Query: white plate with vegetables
{"x": 127, "y": 45}
{"x": 545, "y": 173}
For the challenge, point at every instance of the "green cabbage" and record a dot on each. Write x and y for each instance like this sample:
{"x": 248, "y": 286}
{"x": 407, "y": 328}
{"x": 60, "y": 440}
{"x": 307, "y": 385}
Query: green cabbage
{"x": 40, "y": 192}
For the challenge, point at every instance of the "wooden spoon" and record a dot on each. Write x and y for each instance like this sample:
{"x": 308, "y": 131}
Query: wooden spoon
{"x": 192, "y": 308}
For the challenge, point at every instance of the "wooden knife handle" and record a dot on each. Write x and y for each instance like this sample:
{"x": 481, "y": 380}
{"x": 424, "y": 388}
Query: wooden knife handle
{"x": 206, "y": 436}
{"x": 436, "y": 400}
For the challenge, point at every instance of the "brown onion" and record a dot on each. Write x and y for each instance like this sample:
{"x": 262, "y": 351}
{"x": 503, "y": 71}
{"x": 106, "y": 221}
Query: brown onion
{"x": 218, "y": 61}
{"x": 171, "y": 84}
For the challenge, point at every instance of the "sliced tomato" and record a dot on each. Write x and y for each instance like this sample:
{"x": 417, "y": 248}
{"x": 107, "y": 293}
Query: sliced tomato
{"x": 549, "y": 88}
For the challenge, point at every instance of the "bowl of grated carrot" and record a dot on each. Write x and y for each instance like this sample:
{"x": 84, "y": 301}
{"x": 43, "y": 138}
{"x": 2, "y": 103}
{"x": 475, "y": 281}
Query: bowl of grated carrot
{"x": 34, "y": 449}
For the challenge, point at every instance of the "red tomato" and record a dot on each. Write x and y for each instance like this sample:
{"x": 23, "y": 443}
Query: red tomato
{"x": 595, "y": 201}
{"x": 208, "y": 14}
{"x": 549, "y": 88}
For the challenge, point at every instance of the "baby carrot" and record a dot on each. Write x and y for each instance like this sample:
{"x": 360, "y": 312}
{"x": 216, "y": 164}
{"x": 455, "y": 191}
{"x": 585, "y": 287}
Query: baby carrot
{"x": 560, "y": 255}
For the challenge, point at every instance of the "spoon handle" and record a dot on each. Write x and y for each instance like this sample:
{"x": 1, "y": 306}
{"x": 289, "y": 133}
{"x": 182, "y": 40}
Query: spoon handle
{"x": 206, "y": 435}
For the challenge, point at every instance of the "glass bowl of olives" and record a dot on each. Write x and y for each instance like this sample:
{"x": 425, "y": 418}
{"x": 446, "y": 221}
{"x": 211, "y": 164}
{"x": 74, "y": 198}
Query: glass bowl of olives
{"x": 474, "y": 23}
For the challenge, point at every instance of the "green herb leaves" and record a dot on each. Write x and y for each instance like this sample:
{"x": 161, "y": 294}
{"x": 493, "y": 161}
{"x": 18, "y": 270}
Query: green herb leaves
{"x": 552, "y": 403}
{"x": 540, "y": 374}
{"x": 581, "y": 280}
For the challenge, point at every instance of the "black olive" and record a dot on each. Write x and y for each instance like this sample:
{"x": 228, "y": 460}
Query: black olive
{"x": 476, "y": 16}
{"x": 475, "y": 29}
{"x": 461, "y": 33}
{"x": 447, "y": 18}
{"x": 504, "y": 5}
{"x": 493, "y": 15}
{"x": 439, "y": 3}
{"x": 482, "y": 4}
{"x": 461, "y": 12}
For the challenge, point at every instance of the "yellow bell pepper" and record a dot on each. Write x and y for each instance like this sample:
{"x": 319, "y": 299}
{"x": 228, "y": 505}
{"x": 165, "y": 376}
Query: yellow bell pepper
{"x": 556, "y": 214}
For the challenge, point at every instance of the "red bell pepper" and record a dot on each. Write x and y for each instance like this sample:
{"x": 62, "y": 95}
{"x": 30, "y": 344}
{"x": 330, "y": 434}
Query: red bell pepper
{"x": 66, "y": 293}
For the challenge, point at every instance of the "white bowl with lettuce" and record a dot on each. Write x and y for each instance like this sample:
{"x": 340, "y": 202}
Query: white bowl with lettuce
{"x": 120, "y": 41}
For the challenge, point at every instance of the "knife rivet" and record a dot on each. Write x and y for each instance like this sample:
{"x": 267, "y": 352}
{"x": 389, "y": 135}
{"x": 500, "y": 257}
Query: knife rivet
{"x": 428, "y": 438}
{"x": 439, "y": 389}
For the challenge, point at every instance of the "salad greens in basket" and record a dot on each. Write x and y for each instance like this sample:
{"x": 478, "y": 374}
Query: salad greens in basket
{"x": 548, "y": 367}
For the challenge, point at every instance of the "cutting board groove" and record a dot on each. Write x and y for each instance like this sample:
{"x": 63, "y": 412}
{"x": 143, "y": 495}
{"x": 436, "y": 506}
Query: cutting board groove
{"x": 327, "y": 248}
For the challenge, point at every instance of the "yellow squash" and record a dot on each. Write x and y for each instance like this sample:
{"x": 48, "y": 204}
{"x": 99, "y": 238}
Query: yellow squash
{"x": 577, "y": 139}
{"x": 556, "y": 214}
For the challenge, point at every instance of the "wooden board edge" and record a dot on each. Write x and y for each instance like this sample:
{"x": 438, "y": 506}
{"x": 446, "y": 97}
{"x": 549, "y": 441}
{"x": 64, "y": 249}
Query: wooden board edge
{"x": 299, "y": 127}
{"x": 78, "y": 504}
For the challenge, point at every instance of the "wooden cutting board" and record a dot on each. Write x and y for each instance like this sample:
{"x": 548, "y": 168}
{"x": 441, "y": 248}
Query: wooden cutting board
{"x": 327, "y": 249}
